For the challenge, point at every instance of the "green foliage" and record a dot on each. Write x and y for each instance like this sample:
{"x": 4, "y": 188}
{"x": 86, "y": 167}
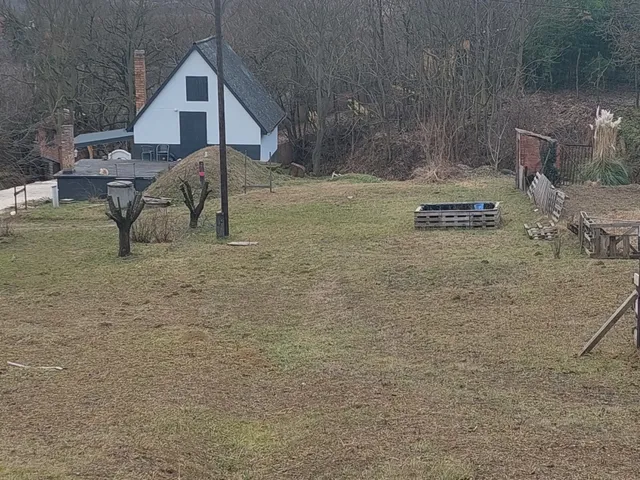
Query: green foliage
{"x": 356, "y": 178}
{"x": 548, "y": 157}
{"x": 607, "y": 172}
{"x": 630, "y": 139}
{"x": 569, "y": 42}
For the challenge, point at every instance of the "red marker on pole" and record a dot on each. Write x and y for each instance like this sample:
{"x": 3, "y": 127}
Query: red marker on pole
{"x": 201, "y": 173}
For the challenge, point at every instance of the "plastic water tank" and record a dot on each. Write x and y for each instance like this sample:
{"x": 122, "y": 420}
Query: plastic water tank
{"x": 122, "y": 192}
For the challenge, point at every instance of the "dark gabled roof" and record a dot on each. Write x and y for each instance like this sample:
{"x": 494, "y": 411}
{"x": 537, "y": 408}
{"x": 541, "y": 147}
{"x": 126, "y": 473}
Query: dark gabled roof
{"x": 100, "y": 138}
{"x": 238, "y": 79}
{"x": 244, "y": 85}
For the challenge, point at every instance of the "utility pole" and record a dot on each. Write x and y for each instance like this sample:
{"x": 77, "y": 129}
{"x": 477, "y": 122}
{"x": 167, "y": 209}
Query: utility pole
{"x": 224, "y": 193}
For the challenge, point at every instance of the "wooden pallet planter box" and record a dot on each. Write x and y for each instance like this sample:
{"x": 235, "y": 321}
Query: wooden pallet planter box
{"x": 458, "y": 215}
{"x": 602, "y": 238}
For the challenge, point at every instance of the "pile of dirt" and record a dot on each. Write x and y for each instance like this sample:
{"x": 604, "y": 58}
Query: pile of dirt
{"x": 168, "y": 184}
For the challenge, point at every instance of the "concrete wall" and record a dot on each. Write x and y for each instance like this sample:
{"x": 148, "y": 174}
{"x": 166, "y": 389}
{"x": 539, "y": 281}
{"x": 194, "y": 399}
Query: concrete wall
{"x": 160, "y": 123}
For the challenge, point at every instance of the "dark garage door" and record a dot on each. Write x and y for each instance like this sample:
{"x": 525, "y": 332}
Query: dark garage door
{"x": 193, "y": 132}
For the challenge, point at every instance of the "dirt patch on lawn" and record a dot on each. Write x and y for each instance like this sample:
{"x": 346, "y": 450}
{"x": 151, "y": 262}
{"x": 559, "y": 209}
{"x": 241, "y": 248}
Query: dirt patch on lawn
{"x": 619, "y": 203}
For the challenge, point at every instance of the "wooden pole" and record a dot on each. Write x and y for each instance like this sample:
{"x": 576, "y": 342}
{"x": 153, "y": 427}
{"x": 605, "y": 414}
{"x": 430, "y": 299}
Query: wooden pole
{"x": 245, "y": 175}
{"x": 201, "y": 173}
{"x": 608, "y": 325}
{"x": 636, "y": 308}
{"x": 25, "y": 194}
{"x": 15, "y": 199}
{"x": 224, "y": 193}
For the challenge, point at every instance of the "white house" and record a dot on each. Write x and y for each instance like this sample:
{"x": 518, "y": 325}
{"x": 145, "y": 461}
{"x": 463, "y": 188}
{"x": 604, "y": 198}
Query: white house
{"x": 183, "y": 113}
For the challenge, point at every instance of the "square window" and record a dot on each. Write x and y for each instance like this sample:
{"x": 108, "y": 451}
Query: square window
{"x": 197, "y": 89}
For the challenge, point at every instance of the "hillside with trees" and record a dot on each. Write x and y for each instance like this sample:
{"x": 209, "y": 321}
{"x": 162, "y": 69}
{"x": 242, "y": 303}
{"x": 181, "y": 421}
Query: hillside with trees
{"x": 378, "y": 86}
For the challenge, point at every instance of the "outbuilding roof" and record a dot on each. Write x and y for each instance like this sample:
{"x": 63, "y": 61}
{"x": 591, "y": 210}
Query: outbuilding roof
{"x": 117, "y": 168}
{"x": 99, "y": 138}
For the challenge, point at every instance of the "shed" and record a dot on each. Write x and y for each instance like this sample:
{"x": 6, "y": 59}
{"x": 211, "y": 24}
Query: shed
{"x": 90, "y": 177}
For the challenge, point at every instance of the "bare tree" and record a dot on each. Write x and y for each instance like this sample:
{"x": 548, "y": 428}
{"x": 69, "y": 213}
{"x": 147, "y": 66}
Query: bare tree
{"x": 623, "y": 28}
{"x": 195, "y": 209}
{"x": 125, "y": 217}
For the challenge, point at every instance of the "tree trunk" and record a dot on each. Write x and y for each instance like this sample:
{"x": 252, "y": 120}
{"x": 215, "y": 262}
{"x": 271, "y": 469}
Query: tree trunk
{"x": 578, "y": 72}
{"x": 124, "y": 236}
{"x": 193, "y": 220}
{"x": 194, "y": 210}
{"x": 125, "y": 222}
{"x": 519, "y": 83}
{"x": 484, "y": 94}
{"x": 316, "y": 157}
{"x": 635, "y": 80}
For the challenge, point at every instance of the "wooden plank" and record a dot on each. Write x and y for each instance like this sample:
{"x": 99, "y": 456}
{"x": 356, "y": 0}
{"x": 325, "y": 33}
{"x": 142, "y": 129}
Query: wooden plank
{"x": 608, "y": 325}
{"x": 520, "y": 131}
{"x": 620, "y": 224}
{"x": 457, "y": 218}
{"x": 637, "y": 312}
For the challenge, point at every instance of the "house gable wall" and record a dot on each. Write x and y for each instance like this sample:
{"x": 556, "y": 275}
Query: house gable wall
{"x": 160, "y": 122}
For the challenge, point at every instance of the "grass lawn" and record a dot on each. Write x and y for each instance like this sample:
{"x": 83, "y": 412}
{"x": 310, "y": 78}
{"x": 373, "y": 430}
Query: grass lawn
{"x": 345, "y": 345}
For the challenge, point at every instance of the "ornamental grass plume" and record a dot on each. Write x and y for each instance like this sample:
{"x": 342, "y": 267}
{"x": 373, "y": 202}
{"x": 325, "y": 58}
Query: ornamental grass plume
{"x": 606, "y": 167}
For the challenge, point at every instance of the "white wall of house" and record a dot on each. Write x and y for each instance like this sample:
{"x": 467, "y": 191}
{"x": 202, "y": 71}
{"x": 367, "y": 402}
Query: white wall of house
{"x": 160, "y": 123}
{"x": 269, "y": 145}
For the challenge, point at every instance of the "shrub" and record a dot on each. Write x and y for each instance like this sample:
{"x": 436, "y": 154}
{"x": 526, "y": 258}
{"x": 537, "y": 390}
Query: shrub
{"x": 355, "y": 178}
{"x": 606, "y": 167}
{"x": 606, "y": 172}
{"x": 6, "y": 226}
{"x": 155, "y": 225}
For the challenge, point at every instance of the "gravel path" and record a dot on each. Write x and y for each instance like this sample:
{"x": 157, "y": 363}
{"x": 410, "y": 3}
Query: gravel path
{"x": 35, "y": 191}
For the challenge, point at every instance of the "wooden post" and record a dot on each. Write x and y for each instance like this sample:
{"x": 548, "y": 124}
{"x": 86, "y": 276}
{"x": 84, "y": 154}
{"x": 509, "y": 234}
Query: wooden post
{"x": 581, "y": 232}
{"x": 636, "y": 307}
{"x": 608, "y": 325}
{"x": 15, "y": 199}
{"x": 219, "y": 225}
{"x": 25, "y": 194}
{"x": 224, "y": 193}
{"x": 201, "y": 173}
{"x": 245, "y": 175}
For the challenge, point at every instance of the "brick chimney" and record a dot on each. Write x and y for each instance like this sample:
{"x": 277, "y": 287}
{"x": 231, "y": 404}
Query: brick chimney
{"x": 140, "y": 79}
{"x": 67, "y": 148}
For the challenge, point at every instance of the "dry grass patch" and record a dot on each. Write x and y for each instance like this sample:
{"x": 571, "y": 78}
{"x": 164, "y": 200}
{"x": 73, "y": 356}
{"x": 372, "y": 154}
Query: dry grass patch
{"x": 345, "y": 345}
{"x": 238, "y": 166}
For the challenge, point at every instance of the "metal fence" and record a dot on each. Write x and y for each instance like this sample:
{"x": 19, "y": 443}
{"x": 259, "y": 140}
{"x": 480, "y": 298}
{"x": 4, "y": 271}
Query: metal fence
{"x": 571, "y": 160}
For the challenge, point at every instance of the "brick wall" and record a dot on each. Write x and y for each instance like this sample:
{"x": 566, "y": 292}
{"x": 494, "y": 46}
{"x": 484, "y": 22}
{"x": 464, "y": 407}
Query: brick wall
{"x": 48, "y": 143}
{"x": 140, "y": 78}
{"x": 55, "y": 145}
{"x": 530, "y": 153}
{"x": 67, "y": 148}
